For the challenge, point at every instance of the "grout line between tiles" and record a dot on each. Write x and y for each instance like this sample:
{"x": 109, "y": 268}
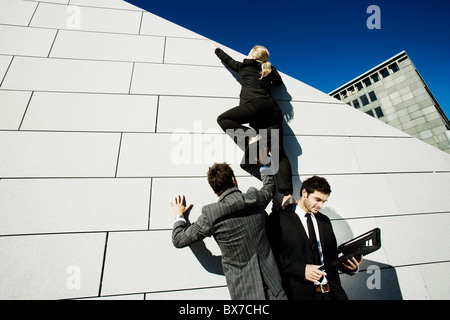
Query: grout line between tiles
{"x": 157, "y": 114}
{"x": 118, "y": 155}
{"x": 35, "y": 10}
{"x": 140, "y": 24}
{"x": 164, "y": 50}
{"x": 150, "y": 203}
{"x": 6, "y": 73}
{"x": 53, "y": 43}
{"x": 103, "y": 265}
{"x": 131, "y": 78}
{"x": 26, "y": 110}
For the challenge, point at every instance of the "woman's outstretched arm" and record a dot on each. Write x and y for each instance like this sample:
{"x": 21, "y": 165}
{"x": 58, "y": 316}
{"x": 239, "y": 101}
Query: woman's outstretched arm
{"x": 229, "y": 61}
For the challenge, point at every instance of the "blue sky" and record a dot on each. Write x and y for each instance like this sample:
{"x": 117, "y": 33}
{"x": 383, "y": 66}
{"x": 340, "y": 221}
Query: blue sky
{"x": 325, "y": 43}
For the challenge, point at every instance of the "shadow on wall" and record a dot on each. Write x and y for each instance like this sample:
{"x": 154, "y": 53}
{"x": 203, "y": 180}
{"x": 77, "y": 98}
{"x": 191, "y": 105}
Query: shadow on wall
{"x": 210, "y": 262}
{"x": 290, "y": 142}
{"x": 375, "y": 280}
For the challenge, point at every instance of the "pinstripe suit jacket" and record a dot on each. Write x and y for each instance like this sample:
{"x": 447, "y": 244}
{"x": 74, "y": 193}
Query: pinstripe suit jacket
{"x": 237, "y": 223}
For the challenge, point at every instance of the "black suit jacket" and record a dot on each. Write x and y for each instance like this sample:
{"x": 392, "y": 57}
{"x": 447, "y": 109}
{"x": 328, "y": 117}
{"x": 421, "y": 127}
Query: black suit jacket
{"x": 293, "y": 252}
{"x": 249, "y": 71}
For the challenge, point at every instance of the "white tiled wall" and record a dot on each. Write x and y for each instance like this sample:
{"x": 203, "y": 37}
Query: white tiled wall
{"x": 36, "y": 206}
{"x": 56, "y": 16}
{"x": 5, "y": 61}
{"x": 18, "y": 40}
{"x": 131, "y": 258}
{"x": 62, "y": 154}
{"x": 199, "y": 113}
{"x": 18, "y": 13}
{"x": 306, "y": 118}
{"x": 12, "y": 108}
{"x": 65, "y": 75}
{"x": 91, "y": 112}
{"x": 107, "y": 112}
{"x": 43, "y": 266}
{"x": 209, "y": 81}
{"x": 107, "y": 46}
{"x": 156, "y": 26}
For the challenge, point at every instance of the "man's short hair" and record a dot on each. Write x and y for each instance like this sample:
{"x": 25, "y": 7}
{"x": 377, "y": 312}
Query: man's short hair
{"x": 220, "y": 178}
{"x": 316, "y": 183}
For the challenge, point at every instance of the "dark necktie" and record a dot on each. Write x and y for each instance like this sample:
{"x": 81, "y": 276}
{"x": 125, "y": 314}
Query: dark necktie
{"x": 313, "y": 240}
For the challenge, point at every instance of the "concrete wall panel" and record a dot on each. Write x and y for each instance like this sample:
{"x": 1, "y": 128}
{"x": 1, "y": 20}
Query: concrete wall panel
{"x": 68, "y": 75}
{"x": 131, "y": 257}
{"x": 17, "y": 12}
{"x": 73, "y": 205}
{"x": 108, "y": 112}
{"x": 56, "y": 266}
{"x": 91, "y": 112}
{"x": 26, "y": 41}
{"x": 33, "y": 154}
{"x": 12, "y": 108}
{"x": 85, "y": 18}
{"x": 108, "y": 46}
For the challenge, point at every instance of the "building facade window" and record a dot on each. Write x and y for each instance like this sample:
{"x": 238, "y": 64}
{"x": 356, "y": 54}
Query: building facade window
{"x": 394, "y": 67}
{"x": 375, "y": 78}
{"x": 384, "y": 73}
{"x": 372, "y": 96}
{"x": 367, "y": 82}
{"x": 359, "y": 86}
{"x": 356, "y": 104}
{"x": 351, "y": 91}
{"x": 364, "y": 100}
{"x": 379, "y": 112}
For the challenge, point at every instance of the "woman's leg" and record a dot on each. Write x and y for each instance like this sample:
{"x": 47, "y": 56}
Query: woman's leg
{"x": 232, "y": 121}
{"x": 251, "y": 112}
{"x": 234, "y": 118}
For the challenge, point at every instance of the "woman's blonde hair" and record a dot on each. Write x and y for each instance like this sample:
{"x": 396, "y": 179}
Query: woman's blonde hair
{"x": 261, "y": 55}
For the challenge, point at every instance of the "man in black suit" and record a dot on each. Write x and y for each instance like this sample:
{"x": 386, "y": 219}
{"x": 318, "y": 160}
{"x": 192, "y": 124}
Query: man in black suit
{"x": 302, "y": 239}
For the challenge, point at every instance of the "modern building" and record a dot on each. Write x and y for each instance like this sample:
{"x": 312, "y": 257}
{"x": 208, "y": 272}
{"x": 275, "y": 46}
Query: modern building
{"x": 103, "y": 122}
{"x": 395, "y": 93}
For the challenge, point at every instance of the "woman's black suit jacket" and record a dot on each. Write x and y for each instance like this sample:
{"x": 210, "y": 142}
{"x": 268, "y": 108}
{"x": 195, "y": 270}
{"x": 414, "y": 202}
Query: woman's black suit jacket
{"x": 293, "y": 251}
{"x": 249, "y": 71}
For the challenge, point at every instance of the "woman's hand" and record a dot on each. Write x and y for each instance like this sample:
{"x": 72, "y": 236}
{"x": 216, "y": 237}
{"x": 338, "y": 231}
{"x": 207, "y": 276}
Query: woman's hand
{"x": 214, "y": 46}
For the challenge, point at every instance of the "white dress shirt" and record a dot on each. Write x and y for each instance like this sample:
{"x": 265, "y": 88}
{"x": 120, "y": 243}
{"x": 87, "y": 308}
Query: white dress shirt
{"x": 302, "y": 215}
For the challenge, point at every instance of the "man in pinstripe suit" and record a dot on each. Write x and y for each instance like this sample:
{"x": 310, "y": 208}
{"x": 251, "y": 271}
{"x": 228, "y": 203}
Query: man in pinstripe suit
{"x": 237, "y": 223}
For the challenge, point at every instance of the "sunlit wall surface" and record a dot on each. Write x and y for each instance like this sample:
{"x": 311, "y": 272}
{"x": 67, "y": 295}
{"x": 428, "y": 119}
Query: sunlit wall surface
{"x": 107, "y": 112}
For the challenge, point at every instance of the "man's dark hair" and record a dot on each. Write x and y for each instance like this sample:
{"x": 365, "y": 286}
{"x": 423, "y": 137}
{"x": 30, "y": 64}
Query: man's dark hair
{"x": 220, "y": 178}
{"x": 316, "y": 183}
